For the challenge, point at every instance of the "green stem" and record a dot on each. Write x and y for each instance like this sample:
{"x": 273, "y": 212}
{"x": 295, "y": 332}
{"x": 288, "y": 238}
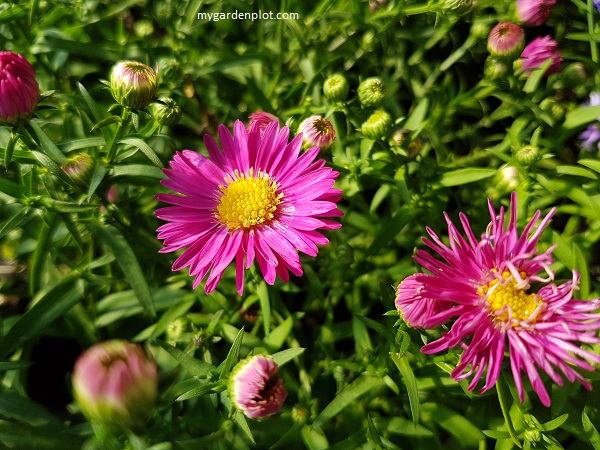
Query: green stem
{"x": 593, "y": 43}
{"x": 111, "y": 148}
{"x": 503, "y": 397}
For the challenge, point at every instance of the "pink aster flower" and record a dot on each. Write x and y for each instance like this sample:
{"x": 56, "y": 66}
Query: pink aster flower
{"x": 115, "y": 384}
{"x": 533, "y": 13}
{"x": 538, "y": 51}
{"x": 19, "y": 90}
{"x": 258, "y": 198}
{"x": 317, "y": 131}
{"x": 262, "y": 120}
{"x": 486, "y": 285}
{"x": 255, "y": 387}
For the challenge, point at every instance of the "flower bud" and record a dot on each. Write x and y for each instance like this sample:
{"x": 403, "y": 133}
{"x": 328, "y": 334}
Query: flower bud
{"x": 166, "y": 112}
{"x": 495, "y": 70}
{"x": 345, "y": 254}
{"x": 556, "y": 108}
{"x": 79, "y": 167}
{"x": 112, "y": 194}
{"x": 506, "y": 41}
{"x": 533, "y": 13}
{"x": 19, "y": 90}
{"x": 261, "y": 119}
{"x": 115, "y": 384}
{"x": 255, "y": 387}
{"x": 480, "y": 29}
{"x": 336, "y": 88}
{"x": 377, "y": 125}
{"x": 133, "y": 84}
{"x": 527, "y": 155}
{"x": 169, "y": 72}
{"x": 456, "y": 6}
{"x": 538, "y": 52}
{"x": 371, "y": 92}
{"x": 143, "y": 28}
{"x": 177, "y": 328}
{"x": 316, "y": 131}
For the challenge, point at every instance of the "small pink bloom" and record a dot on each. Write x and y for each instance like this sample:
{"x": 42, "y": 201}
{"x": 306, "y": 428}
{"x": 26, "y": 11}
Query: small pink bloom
{"x": 261, "y": 119}
{"x": 317, "y": 131}
{"x": 533, "y": 13}
{"x": 115, "y": 384}
{"x": 257, "y": 198}
{"x": 19, "y": 90}
{"x": 484, "y": 289}
{"x": 537, "y": 52}
{"x": 256, "y": 388}
{"x": 506, "y": 41}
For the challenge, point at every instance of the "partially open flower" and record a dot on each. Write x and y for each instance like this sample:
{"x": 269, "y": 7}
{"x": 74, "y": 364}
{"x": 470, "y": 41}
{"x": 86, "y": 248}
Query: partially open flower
{"x": 371, "y": 92}
{"x": 255, "y": 387}
{"x": 533, "y": 13}
{"x": 115, "y": 384}
{"x": 262, "y": 120}
{"x": 316, "y": 131}
{"x": 538, "y": 52}
{"x": 133, "y": 84}
{"x": 506, "y": 41}
{"x": 19, "y": 90}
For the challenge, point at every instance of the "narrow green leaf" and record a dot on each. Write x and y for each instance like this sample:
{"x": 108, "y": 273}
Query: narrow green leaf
{"x": 581, "y": 116}
{"x": 233, "y": 355}
{"x": 106, "y": 121}
{"x": 457, "y": 425}
{"x": 555, "y": 423}
{"x": 97, "y": 113}
{"x": 240, "y": 419}
{"x": 100, "y": 171}
{"x": 380, "y": 328}
{"x": 40, "y": 254}
{"x": 275, "y": 340}
{"x": 12, "y": 13}
{"x": 48, "y": 306}
{"x": 52, "y": 167}
{"x": 590, "y": 431}
{"x": 349, "y": 394}
{"x": 20, "y": 218}
{"x": 126, "y": 258}
{"x": 593, "y": 164}
{"x": 137, "y": 170}
{"x": 536, "y": 76}
{"x": 286, "y": 355}
{"x": 11, "y": 188}
{"x": 411, "y": 385}
{"x": 314, "y": 438}
{"x": 79, "y": 144}
{"x": 265, "y": 306}
{"x": 14, "y": 365}
{"x": 464, "y": 176}
{"x": 390, "y": 228}
{"x": 195, "y": 367}
{"x": 145, "y": 148}
{"x": 580, "y": 263}
{"x": 199, "y": 391}
{"x": 417, "y": 116}
{"x": 49, "y": 148}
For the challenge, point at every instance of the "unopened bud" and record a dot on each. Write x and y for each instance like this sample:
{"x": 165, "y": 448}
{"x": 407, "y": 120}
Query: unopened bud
{"x": 166, "y": 112}
{"x": 336, "y": 88}
{"x": 133, "y": 84}
{"x": 506, "y": 41}
{"x": 528, "y": 155}
{"x": 377, "y": 125}
{"x": 316, "y": 131}
{"x": 19, "y": 90}
{"x": 371, "y": 92}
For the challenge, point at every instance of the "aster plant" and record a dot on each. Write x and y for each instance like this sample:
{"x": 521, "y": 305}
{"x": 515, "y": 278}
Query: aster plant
{"x": 256, "y": 198}
{"x": 482, "y": 291}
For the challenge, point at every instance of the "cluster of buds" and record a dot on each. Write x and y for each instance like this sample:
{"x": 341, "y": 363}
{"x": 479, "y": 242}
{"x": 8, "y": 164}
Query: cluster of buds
{"x": 19, "y": 90}
{"x": 115, "y": 384}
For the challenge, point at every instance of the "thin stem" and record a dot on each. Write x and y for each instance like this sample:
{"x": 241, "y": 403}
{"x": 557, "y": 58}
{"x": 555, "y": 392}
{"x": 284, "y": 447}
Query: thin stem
{"x": 503, "y": 397}
{"x": 111, "y": 148}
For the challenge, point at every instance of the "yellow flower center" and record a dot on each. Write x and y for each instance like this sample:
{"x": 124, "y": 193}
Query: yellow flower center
{"x": 507, "y": 302}
{"x": 248, "y": 200}
{"x": 322, "y": 126}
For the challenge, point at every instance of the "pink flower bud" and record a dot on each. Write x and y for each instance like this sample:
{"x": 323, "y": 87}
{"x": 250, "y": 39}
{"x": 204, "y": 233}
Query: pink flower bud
{"x": 506, "y": 41}
{"x": 115, "y": 384}
{"x": 533, "y": 13}
{"x": 133, "y": 84}
{"x": 262, "y": 120}
{"x": 317, "y": 131}
{"x": 19, "y": 90}
{"x": 255, "y": 387}
{"x": 538, "y": 52}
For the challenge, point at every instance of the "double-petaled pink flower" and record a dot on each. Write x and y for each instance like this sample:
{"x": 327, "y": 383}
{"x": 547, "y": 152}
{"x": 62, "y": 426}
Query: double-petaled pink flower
{"x": 533, "y": 13}
{"x": 483, "y": 288}
{"x": 538, "y": 51}
{"x": 19, "y": 90}
{"x": 256, "y": 198}
{"x": 262, "y": 120}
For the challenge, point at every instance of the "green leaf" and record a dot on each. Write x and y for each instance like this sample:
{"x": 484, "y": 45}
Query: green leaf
{"x": 20, "y": 218}
{"x": 13, "y": 13}
{"x": 233, "y": 355}
{"x": 53, "y": 168}
{"x": 411, "y": 385}
{"x": 126, "y": 258}
{"x": 199, "y": 391}
{"x": 240, "y": 419}
{"x": 11, "y": 188}
{"x": 265, "y": 306}
{"x": 100, "y": 171}
{"x": 105, "y": 122}
{"x": 590, "y": 431}
{"x": 555, "y": 423}
{"x": 41, "y": 252}
{"x": 195, "y": 367}
{"x": 457, "y": 425}
{"x": 390, "y": 228}
{"x": 97, "y": 112}
{"x": 50, "y": 149}
{"x": 276, "y": 339}
{"x": 14, "y": 365}
{"x": 580, "y": 263}
{"x": 464, "y": 176}
{"x": 417, "y": 117}
{"x": 581, "y": 116}
{"x": 378, "y": 327}
{"x": 48, "y": 306}
{"x": 137, "y": 170}
{"x": 350, "y": 394}
{"x": 286, "y": 355}
{"x": 145, "y": 148}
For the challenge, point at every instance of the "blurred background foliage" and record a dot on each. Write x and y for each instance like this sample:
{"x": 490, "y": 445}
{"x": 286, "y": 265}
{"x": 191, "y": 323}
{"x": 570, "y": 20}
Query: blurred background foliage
{"x": 80, "y": 266}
